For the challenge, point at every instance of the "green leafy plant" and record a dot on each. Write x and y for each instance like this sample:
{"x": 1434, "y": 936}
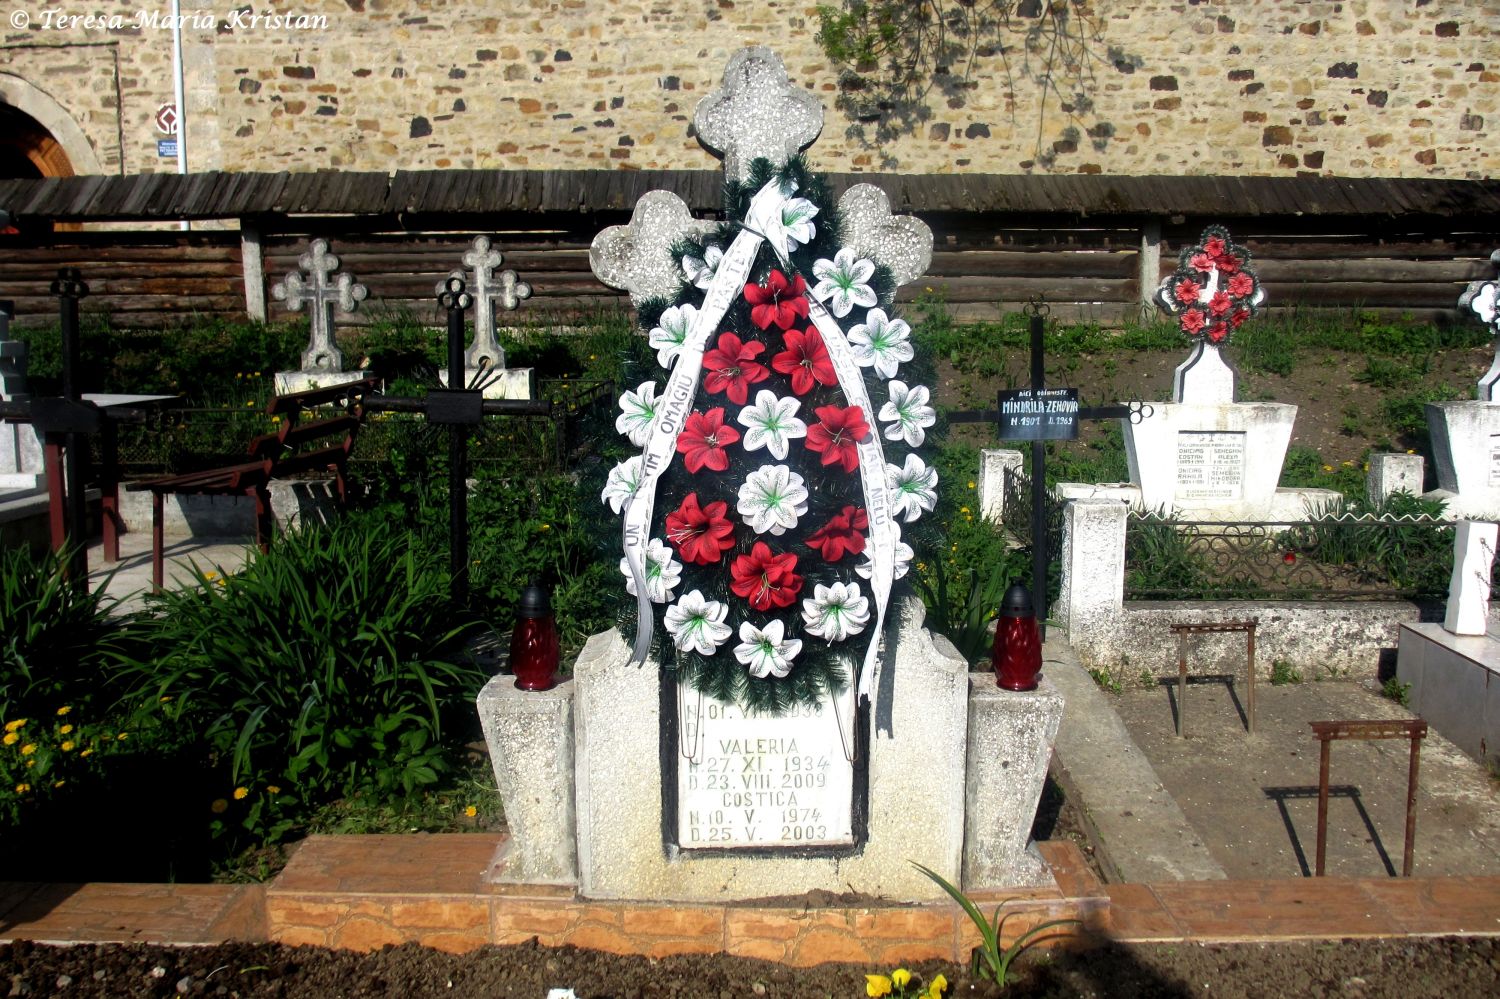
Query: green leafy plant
{"x": 1105, "y": 680}
{"x": 1394, "y": 690}
{"x": 330, "y": 665}
{"x": 1283, "y": 673}
{"x": 59, "y": 643}
{"x": 989, "y": 959}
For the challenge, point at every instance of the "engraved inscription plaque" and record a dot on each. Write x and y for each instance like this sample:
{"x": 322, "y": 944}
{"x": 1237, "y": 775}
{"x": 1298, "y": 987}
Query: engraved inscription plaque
{"x": 1494, "y": 480}
{"x": 1210, "y": 465}
{"x": 759, "y": 781}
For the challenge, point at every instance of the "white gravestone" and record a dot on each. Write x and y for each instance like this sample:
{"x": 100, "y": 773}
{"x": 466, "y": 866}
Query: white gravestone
{"x": 484, "y": 361}
{"x": 21, "y": 466}
{"x": 1469, "y": 587}
{"x": 320, "y": 293}
{"x": 762, "y": 781}
{"x": 1465, "y": 434}
{"x": 1210, "y": 465}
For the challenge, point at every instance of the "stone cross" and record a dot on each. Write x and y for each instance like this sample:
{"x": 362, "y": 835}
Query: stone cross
{"x": 320, "y": 294}
{"x": 488, "y": 288}
{"x": 756, "y": 113}
{"x": 1483, "y": 299}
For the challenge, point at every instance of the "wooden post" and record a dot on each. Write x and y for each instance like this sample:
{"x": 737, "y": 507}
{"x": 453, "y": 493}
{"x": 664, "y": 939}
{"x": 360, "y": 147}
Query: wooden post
{"x": 1148, "y": 273}
{"x": 1322, "y": 803}
{"x": 253, "y": 263}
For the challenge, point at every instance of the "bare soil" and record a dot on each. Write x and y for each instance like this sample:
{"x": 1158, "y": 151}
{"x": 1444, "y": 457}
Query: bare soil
{"x": 1443, "y": 968}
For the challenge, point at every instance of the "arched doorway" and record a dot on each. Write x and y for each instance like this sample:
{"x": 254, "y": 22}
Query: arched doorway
{"x": 27, "y": 149}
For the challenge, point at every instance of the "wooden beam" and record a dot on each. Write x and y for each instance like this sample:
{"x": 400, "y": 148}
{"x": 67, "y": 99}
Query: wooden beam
{"x": 255, "y": 272}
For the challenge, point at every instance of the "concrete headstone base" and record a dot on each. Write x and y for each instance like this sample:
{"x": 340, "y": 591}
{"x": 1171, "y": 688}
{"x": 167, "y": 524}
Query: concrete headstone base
{"x": 288, "y": 382}
{"x": 1455, "y": 685}
{"x": 511, "y": 383}
{"x": 923, "y": 806}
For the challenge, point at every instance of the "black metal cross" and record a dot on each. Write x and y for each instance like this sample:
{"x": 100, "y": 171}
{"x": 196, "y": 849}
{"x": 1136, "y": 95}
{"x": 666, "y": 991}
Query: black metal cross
{"x": 462, "y": 411}
{"x": 1039, "y": 414}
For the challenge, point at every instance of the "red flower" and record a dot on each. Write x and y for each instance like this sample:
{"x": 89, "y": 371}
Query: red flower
{"x": 1187, "y": 291}
{"x": 1241, "y": 285}
{"x": 841, "y": 534}
{"x": 836, "y": 433}
{"x": 1217, "y": 332}
{"x": 1214, "y": 246}
{"x": 779, "y": 300}
{"x": 1228, "y": 263}
{"x": 806, "y": 360}
{"x": 1193, "y": 320}
{"x": 1240, "y": 315}
{"x": 1201, "y": 262}
{"x": 1219, "y": 304}
{"x": 701, "y": 535}
{"x": 764, "y": 579}
{"x": 703, "y": 440}
{"x": 731, "y": 367}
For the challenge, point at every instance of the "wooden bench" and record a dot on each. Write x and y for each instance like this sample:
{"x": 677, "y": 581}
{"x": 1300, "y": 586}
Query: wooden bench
{"x": 297, "y": 447}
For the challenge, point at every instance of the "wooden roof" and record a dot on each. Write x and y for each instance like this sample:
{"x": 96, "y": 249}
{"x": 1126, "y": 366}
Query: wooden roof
{"x": 211, "y": 195}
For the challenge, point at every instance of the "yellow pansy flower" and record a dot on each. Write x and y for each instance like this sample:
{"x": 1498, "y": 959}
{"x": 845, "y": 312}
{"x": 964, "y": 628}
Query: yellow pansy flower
{"x": 877, "y": 985}
{"x": 936, "y": 987}
{"x": 900, "y": 978}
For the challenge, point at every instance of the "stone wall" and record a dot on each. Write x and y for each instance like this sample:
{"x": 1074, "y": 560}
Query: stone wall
{"x": 1355, "y": 88}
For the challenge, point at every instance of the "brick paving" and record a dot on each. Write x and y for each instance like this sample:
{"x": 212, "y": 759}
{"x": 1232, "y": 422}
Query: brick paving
{"x": 362, "y": 892}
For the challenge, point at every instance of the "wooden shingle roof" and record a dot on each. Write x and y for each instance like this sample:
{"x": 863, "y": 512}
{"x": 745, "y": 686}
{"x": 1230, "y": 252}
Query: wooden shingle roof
{"x": 210, "y": 195}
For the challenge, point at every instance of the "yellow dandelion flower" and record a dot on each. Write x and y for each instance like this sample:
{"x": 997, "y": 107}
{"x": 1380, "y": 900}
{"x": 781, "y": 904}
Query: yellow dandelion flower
{"x": 272, "y": 789}
{"x": 166, "y": 700}
{"x": 11, "y": 726}
{"x": 22, "y": 788}
{"x": 11, "y": 738}
{"x": 1348, "y": 464}
{"x": 219, "y": 807}
{"x": 122, "y": 736}
{"x": 255, "y": 374}
{"x": 1327, "y": 468}
{"x": 31, "y": 763}
{"x": 471, "y": 811}
{"x": 28, "y": 749}
{"x": 67, "y": 746}
{"x": 971, "y": 484}
{"x": 546, "y": 527}
{"x": 963, "y": 509}
{"x": 1410, "y": 451}
{"x": 63, "y": 710}
{"x": 87, "y": 752}
{"x": 65, "y": 730}
{"x": 1367, "y": 467}
{"x": 59, "y": 783}
{"x": 241, "y": 793}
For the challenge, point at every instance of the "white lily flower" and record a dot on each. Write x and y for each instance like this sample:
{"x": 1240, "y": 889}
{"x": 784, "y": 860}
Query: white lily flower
{"x": 772, "y": 499}
{"x": 836, "y": 612}
{"x": 663, "y": 572}
{"x": 624, "y": 479}
{"x": 881, "y": 342}
{"x": 771, "y": 423}
{"x": 844, "y": 282}
{"x": 700, "y": 271}
{"x": 638, "y": 413}
{"x": 791, "y": 225}
{"x": 697, "y": 623}
{"x": 908, "y": 408}
{"x": 914, "y": 487}
{"x": 671, "y": 332}
{"x": 764, "y": 650}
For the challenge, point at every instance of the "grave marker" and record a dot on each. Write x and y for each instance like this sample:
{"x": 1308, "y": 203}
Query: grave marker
{"x": 320, "y": 292}
{"x": 484, "y": 361}
{"x": 1466, "y": 434}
